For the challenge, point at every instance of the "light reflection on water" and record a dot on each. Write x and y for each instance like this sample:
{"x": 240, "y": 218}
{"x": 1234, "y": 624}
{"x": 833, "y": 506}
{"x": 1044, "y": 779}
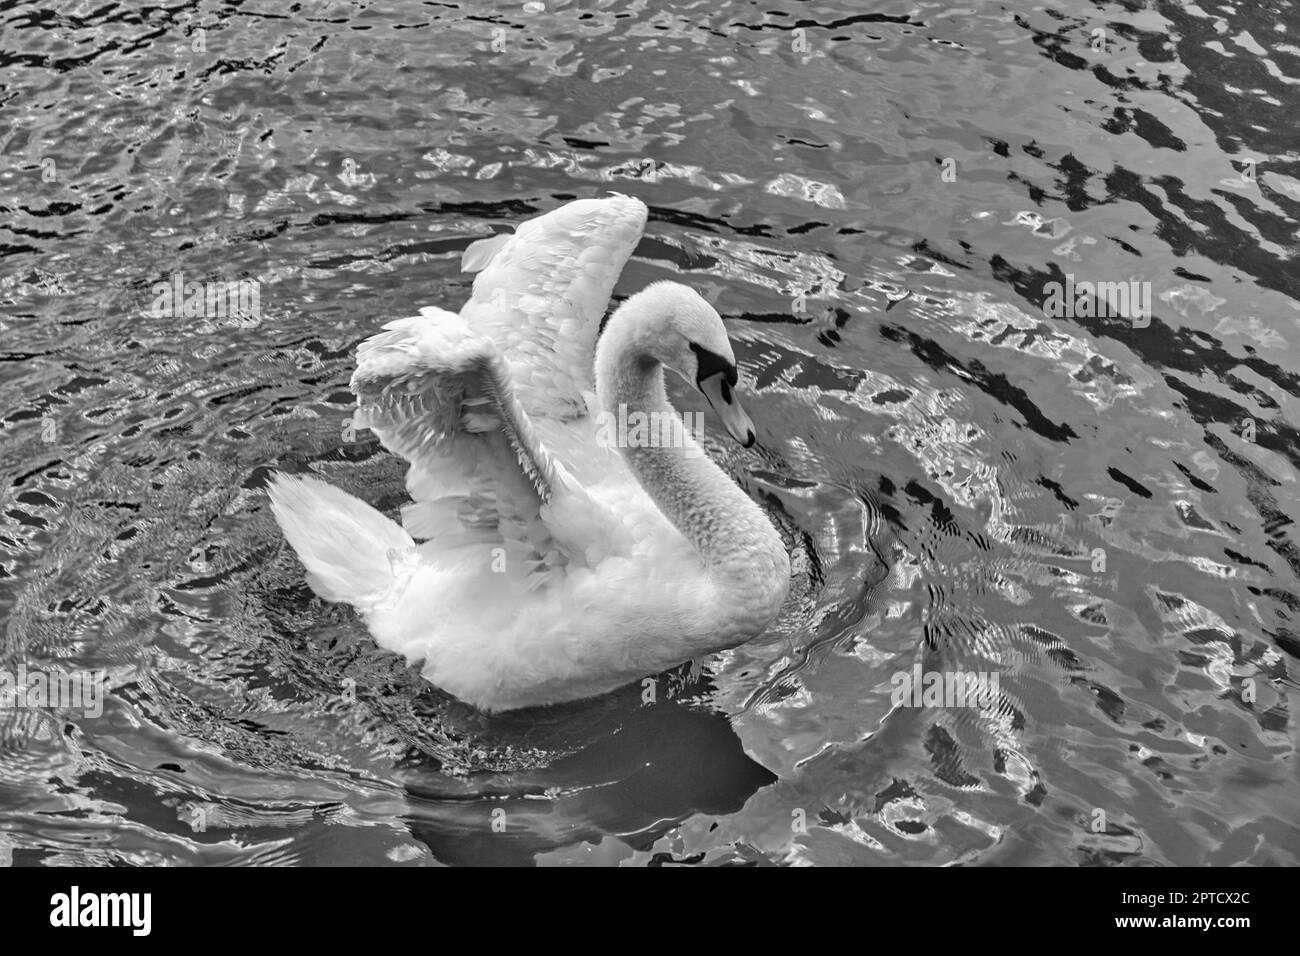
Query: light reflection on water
{"x": 1098, "y": 512}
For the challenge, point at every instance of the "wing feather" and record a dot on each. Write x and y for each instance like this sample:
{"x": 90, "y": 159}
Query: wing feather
{"x": 456, "y": 395}
{"x": 439, "y": 395}
{"x": 541, "y": 293}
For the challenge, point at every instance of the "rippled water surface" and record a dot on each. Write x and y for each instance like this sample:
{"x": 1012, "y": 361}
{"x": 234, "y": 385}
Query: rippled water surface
{"x": 877, "y": 197}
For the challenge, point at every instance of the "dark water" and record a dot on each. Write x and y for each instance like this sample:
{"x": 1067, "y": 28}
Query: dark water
{"x": 1097, "y": 510}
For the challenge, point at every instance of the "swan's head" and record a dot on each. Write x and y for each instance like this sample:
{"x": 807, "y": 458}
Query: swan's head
{"x": 692, "y": 341}
{"x": 671, "y": 325}
{"x": 687, "y": 336}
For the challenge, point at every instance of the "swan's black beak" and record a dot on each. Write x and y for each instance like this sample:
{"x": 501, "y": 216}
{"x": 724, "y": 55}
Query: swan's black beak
{"x": 723, "y": 398}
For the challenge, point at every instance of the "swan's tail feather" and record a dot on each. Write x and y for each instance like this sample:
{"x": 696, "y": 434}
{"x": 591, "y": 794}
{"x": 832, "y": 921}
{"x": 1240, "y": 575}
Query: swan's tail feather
{"x": 346, "y": 546}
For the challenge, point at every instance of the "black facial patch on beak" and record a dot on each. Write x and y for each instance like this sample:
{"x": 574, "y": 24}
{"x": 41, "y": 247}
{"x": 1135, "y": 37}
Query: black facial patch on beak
{"x": 709, "y": 364}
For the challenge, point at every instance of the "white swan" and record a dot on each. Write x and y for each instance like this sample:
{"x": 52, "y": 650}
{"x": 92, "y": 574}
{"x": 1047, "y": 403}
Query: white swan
{"x": 553, "y": 563}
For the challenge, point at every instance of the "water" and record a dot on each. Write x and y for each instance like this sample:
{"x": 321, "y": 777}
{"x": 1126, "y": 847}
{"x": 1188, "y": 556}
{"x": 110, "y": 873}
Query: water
{"x": 1098, "y": 511}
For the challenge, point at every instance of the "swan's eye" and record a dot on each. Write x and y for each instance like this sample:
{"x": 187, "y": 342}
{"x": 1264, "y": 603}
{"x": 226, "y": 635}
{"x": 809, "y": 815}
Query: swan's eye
{"x": 708, "y": 364}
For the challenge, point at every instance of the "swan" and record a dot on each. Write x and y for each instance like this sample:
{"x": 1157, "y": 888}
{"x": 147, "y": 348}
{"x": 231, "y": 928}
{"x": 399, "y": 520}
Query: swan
{"x": 554, "y": 547}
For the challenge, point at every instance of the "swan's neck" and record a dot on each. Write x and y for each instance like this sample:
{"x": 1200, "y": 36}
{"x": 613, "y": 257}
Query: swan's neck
{"x": 734, "y": 539}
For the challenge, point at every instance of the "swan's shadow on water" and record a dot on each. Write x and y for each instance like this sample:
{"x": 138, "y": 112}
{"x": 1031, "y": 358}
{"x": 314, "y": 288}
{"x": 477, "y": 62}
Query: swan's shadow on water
{"x": 500, "y": 789}
{"x": 639, "y": 770}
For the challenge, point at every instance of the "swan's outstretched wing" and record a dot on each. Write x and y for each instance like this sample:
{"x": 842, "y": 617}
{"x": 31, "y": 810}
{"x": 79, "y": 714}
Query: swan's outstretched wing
{"x": 540, "y": 295}
{"x": 439, "y": 395}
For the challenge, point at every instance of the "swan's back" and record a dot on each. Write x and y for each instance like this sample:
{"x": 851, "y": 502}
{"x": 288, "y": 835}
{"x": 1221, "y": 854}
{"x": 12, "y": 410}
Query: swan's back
{"x": 540, "y": 295}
